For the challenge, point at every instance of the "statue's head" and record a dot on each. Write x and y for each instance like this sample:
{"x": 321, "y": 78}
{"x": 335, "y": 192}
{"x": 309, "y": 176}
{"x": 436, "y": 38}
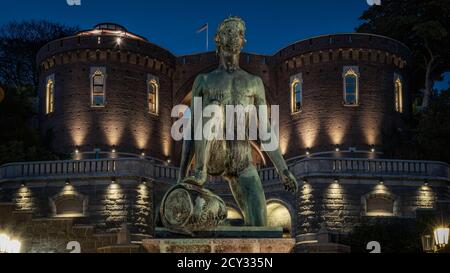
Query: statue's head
{"x": 230, "y": 35}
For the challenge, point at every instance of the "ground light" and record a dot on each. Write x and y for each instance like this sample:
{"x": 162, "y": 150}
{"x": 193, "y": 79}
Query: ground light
{"x": 337, "y": 149}
{"x": 9, "y": 245}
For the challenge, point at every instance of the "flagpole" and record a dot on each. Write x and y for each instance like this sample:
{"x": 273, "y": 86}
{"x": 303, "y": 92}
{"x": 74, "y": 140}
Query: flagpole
{"x": 203, "y": 28}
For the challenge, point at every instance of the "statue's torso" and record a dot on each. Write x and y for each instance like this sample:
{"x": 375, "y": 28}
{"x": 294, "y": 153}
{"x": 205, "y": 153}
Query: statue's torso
{"x": 223, "y": 88}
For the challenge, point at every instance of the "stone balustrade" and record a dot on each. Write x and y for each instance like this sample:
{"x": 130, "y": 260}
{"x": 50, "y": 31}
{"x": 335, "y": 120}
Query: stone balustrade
{"x": 122, "y": 167}
{"x": 371, "y": 168}
{"x": 311, "y": 167}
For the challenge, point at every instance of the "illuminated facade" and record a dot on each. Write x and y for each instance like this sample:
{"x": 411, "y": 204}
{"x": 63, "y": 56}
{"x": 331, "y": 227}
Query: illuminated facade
{"x": 345, "y": 90}
{"x": 106, "y": 98}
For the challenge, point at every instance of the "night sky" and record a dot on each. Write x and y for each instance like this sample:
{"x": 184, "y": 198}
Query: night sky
{"x": 172, "y": 24}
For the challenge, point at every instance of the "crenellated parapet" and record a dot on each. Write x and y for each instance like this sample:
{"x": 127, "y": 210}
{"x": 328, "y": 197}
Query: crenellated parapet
{"x": 97, "y": 48}
{"x": 340, "y": 47}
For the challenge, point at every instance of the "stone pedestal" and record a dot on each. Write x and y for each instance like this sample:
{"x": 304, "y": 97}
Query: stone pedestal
{"x": 223, "y": 239}
{"x": 228, "y": 245}
{"x": 226, "y": 232}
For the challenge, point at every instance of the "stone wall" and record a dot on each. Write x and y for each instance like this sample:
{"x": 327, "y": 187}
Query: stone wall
{"x": 51, "y": 235}
{"x": 106, "y": 205}
{"x": 340, "y": 206}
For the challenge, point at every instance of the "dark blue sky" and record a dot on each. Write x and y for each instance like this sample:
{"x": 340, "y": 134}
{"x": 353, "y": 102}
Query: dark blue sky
{"x": 172, "y": 24}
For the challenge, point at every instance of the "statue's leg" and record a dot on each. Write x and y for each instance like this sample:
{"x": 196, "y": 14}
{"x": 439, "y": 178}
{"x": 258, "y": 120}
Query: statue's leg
{"x": 202, "y": 150}
{"x": 249, "y": 195}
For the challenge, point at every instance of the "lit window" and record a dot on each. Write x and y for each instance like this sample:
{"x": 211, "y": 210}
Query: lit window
{"x": 152, "y": 95}
{"x": 50, "y": 95}
{"x": 296, "y": 93}
{"x": 398, "y": 94}
{"x": 98, "y": 88}
{"x": 297, "y": 97}
{"x": 351, "y": 86}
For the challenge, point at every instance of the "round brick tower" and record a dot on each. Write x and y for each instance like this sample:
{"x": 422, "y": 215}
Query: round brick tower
{"x": 99, "y": 91}
{"x": 353, "y": 93}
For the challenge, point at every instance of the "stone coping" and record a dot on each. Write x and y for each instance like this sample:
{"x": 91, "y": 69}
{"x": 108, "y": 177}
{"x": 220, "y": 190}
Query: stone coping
{"x": 262, "y": 245}
{"x": 226, "y": 232}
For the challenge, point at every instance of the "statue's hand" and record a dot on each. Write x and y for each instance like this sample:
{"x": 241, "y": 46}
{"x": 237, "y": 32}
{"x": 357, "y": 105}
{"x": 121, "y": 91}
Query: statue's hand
{"x": 192, "y": 180}
{"x": 198, "y": 179}
{"x": 289, "y": 181}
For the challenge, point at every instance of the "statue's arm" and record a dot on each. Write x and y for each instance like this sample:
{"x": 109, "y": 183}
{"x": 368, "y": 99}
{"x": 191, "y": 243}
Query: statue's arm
{"x": 275, "y": 155}
{"x": 188, "y": 150}
{"x": 288, "y": 179}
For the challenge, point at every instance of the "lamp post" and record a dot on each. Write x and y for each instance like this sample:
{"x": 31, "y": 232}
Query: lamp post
{"x": 428, "y": 243}
{"x": 436, "y": 231}
{"x": 8, "y": 245}
{"x": 436, "y": 241}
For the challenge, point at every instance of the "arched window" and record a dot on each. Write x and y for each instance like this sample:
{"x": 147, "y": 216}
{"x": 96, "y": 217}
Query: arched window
{"x": 351, "y": 86}
{"x": 49, "y": 94}
{"x": 98, "y": 87}
{"x": 398, "y": 94}
{"x": 297, "y": 97}
{"x": 152, "y": 90}
{"x": 380, "y": 204}
{"x": 234, "y": 217}
{"x": 69, "y": 206}
{"x": 278, "y": 215}
{"x": 296, "y": 93}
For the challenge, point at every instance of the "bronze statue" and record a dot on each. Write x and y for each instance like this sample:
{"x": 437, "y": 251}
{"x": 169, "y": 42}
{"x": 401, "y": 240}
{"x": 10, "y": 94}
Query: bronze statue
{"x": 232, "y": 159}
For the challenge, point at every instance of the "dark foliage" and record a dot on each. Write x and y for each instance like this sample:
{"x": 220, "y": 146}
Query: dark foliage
{"x": 19, "y": 44}
{"x": 422, "y": 25}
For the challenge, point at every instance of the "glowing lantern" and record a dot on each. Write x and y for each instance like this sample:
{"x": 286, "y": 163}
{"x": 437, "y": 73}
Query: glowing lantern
{"x": 441, "y": 236}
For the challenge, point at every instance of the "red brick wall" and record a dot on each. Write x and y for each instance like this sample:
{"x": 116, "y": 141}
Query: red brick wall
{"x": 126, "y": 123}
